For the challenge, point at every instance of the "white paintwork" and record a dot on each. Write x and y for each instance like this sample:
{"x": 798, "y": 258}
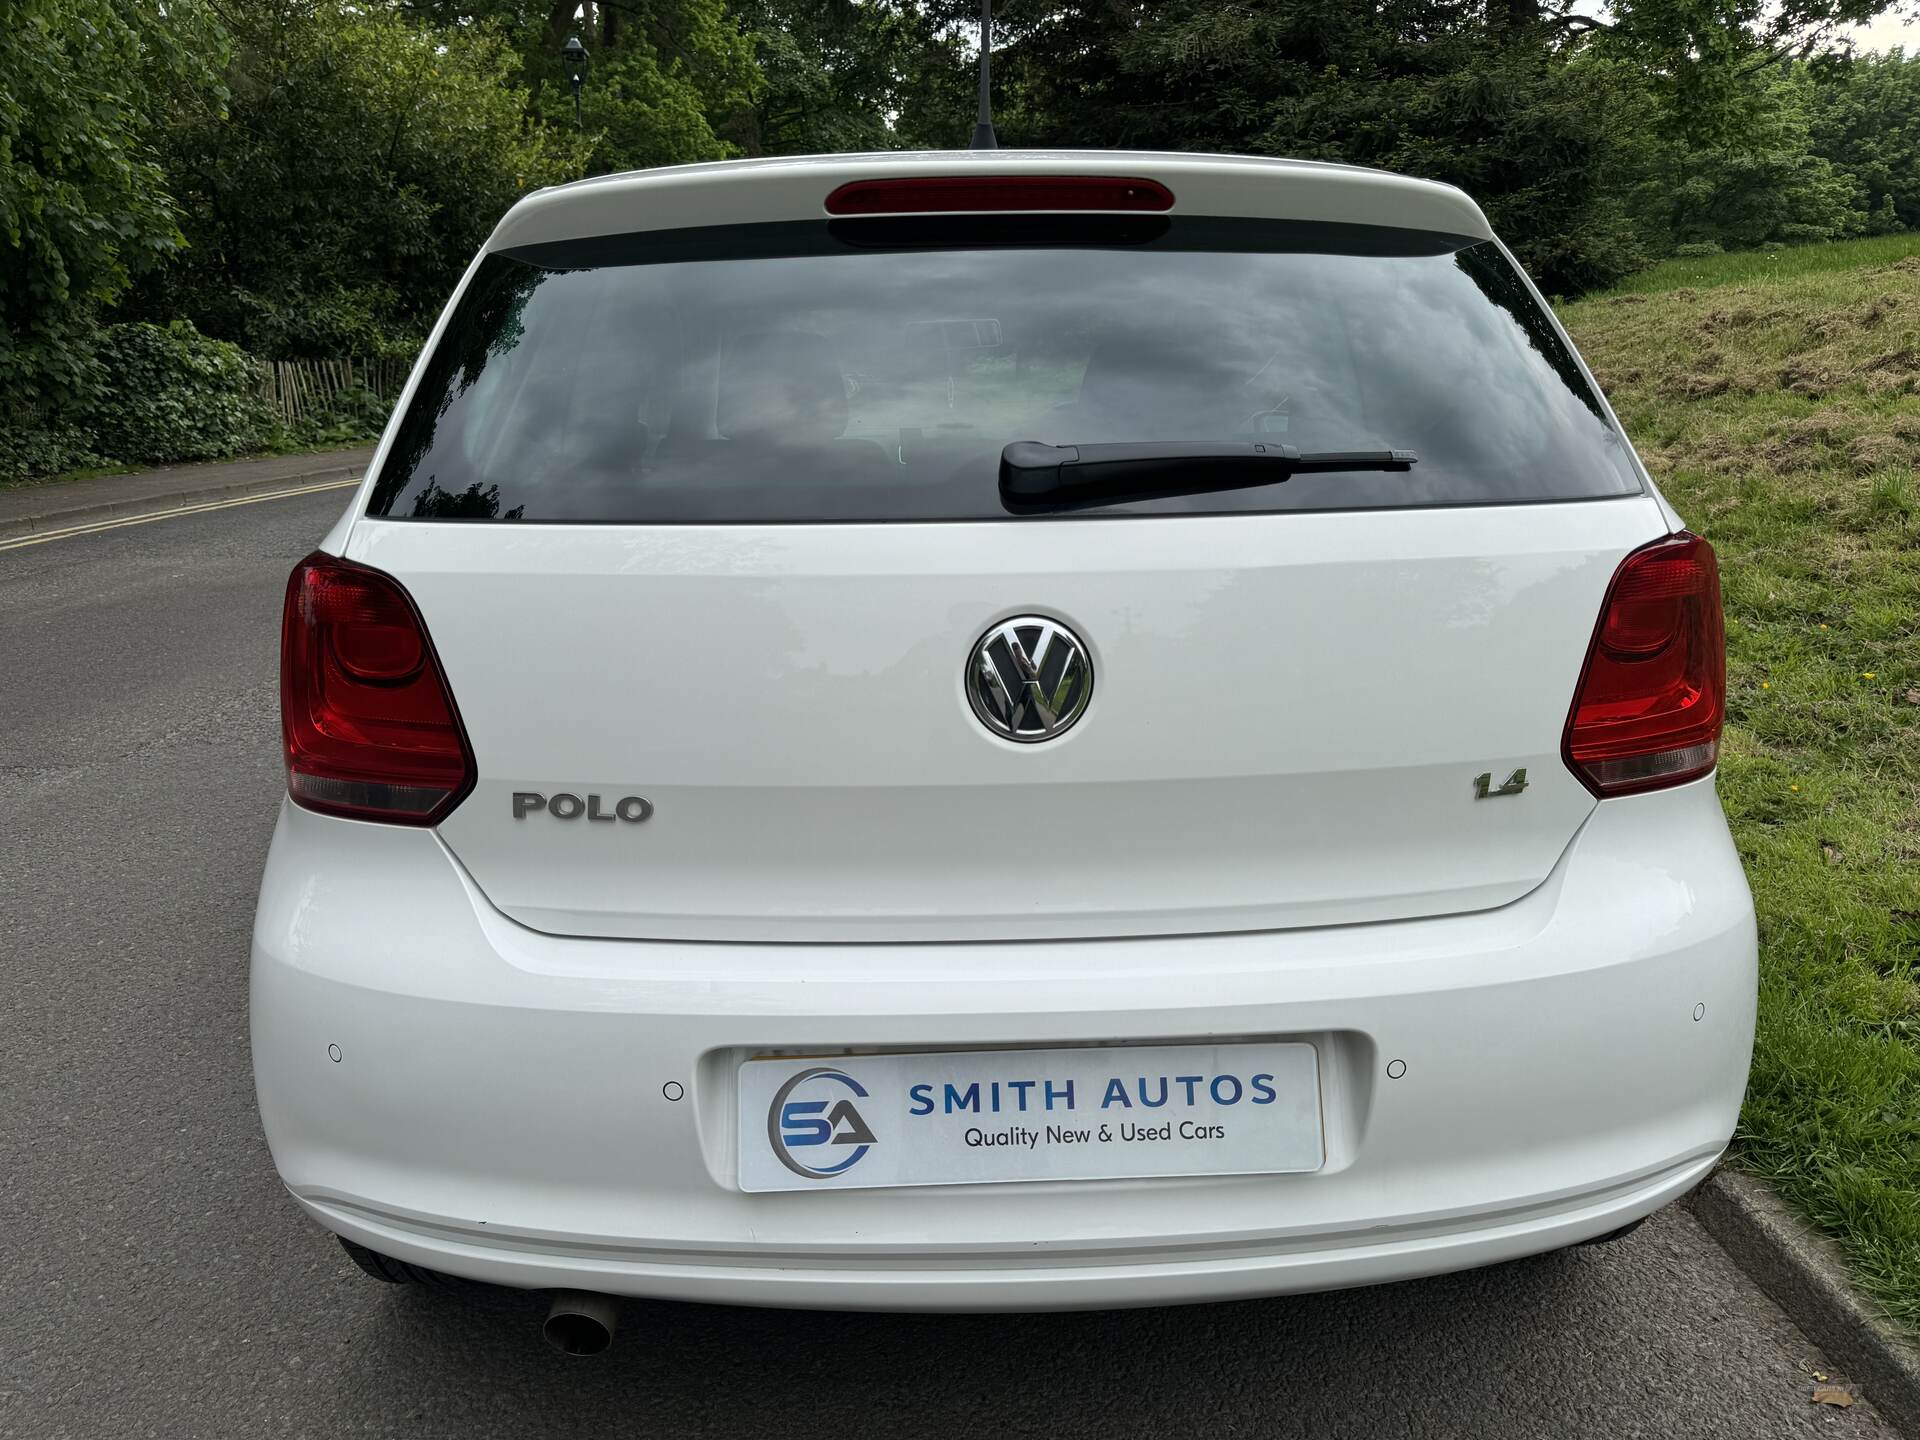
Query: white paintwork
{"x": 1287, "y": 717}
{"x": 499, "y": 1107}
{"x": 1531, "y": 1017}
{"x": 742, "y": 192}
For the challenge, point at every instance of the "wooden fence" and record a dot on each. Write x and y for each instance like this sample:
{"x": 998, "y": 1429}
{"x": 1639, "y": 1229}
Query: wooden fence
{"x": 296, "y": 389}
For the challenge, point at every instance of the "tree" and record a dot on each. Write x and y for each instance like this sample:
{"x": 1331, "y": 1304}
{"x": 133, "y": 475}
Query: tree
{"x": 838, "y": 76}
{"x": 1761, "y": 181}
{"x": 666, "y": 77}
{"x": 365, "y": 156}
{"x": 1694, "y": 55}
{"x": 1864, "y": 120}
{"x": 83, "y": 202}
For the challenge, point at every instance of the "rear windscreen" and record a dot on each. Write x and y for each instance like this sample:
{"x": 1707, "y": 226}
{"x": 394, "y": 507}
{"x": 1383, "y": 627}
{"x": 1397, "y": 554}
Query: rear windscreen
{"x": 856, "y": 371}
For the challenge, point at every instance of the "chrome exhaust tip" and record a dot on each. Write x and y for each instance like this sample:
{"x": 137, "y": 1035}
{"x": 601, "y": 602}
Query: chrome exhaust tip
{"x": 581, "y": 1322}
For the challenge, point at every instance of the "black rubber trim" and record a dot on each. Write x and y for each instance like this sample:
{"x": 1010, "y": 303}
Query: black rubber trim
{"x": 389, "y": 1271}
{"x": 848, "y": 234}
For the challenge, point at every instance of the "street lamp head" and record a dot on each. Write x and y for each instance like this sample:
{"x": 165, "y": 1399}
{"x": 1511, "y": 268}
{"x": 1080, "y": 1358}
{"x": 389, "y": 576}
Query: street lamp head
{"x": 574, "y": 55}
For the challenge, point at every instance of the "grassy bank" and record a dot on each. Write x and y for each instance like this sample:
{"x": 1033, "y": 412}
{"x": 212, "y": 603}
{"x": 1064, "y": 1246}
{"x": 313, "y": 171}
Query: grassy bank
{"x": 1789, "y": 263}
{"x": 1779, "y": 405}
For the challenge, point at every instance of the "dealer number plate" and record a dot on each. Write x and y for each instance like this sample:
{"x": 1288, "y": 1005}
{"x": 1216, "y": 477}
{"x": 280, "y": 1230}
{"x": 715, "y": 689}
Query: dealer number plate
{"x": 972, "y": 1117}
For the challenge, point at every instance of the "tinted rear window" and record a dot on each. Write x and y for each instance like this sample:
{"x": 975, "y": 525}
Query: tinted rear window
{"x": 855, "y": 371}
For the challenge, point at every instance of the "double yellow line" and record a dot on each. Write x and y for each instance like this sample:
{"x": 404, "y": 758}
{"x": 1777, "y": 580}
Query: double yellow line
{"x": 120, "y": 523}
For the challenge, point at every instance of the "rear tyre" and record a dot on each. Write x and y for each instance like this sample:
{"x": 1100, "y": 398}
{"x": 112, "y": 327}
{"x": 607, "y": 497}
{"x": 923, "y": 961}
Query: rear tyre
{"x": 389, "y": 1271}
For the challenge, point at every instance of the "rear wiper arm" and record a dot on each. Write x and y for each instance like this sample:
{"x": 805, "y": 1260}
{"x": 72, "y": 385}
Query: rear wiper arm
{"x": 1036, "y": 476}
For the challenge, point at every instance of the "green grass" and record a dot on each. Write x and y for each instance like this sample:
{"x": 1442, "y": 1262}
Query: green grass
{"x": 1780, "y": 409}
{"x": 1747, "y": 267}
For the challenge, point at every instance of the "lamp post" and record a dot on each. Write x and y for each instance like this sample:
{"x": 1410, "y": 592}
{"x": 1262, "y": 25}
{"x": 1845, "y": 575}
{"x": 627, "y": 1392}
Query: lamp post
{"x": 573, "y": 55}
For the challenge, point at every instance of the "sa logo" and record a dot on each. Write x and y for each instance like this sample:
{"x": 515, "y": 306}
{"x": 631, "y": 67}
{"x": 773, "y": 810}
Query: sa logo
{"x": 810, "y": 1121}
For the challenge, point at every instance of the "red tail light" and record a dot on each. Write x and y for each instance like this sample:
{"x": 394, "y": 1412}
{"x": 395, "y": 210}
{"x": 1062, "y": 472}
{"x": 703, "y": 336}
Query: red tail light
{"x": 368, "y": 721}
{"x": 979, "y": 193}
{"x": 1653, "y": 695}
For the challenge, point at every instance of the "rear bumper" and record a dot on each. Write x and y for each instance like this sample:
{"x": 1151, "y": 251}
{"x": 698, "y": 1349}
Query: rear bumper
{"x": 1038, "y": 1280}
{"x": 499, "y": 1105}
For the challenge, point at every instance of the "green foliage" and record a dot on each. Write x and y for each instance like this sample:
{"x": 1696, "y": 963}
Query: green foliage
{"x": 639, "y": 112}
{"x": 355, "y": 413}
{"x": 1865, "y": 120}
{"x": 31, "y": 447}
{"x": 1761, "y": 181}
{"x": 363, "y": 160}
{"x": 839, "y": 76}
{"x": 665, "y": 77}
{"x": 176, "y": 395}
{"x": 1695, "y": 57}
{"x": 83, "y": 205}
{"x": 160, "y": 394}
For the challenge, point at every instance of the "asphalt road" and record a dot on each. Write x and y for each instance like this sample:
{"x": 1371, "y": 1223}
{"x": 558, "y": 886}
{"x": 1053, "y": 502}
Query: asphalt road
{"x": 155, "y": 1280}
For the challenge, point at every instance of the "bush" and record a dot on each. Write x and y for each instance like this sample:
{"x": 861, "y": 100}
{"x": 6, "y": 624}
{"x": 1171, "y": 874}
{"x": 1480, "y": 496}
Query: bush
{"x": 355, "y": 413}
{"x": 1696, "y": 250}
{"x": 176, "y": 395}
{"x": 31, "y": 446}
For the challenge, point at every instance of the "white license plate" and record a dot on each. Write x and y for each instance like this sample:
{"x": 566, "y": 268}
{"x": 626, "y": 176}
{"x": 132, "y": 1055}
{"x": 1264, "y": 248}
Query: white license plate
{"x": 971, "y": 1117}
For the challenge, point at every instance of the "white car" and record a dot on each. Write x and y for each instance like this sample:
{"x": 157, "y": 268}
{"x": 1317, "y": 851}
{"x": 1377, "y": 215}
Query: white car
{"x": 997, "y": 730}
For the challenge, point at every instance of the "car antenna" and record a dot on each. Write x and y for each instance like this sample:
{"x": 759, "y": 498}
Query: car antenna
{"x": 983, "y": 125}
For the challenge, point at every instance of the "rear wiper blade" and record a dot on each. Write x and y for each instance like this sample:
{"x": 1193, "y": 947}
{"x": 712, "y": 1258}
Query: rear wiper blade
{"x": 1039, "y": 476}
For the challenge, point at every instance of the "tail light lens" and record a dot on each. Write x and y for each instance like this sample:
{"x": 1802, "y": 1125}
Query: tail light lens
{"x": 954, "y": 194}
{"x": 1652, "y": 698}
{"x": 365, "y": 711}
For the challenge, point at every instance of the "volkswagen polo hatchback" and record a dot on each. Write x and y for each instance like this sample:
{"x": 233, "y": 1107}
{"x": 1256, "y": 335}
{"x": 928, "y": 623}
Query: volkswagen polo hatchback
{"x": 998, "y": 730}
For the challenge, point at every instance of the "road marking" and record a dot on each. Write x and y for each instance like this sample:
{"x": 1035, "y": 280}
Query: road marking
{"x": 117, "y": 524}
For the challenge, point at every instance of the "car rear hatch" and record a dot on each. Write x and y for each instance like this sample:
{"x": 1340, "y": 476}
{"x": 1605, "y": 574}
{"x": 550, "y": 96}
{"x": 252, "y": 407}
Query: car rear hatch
{"x": 710, "y": 518}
